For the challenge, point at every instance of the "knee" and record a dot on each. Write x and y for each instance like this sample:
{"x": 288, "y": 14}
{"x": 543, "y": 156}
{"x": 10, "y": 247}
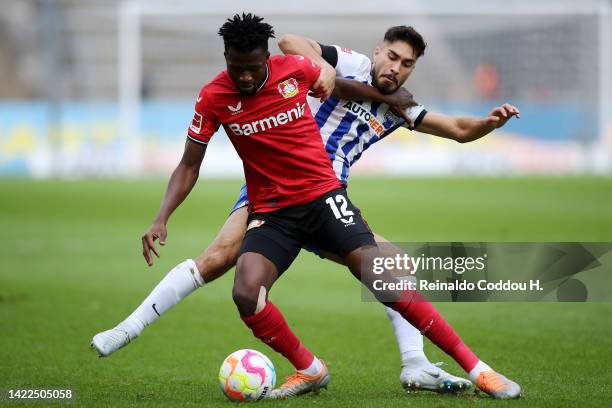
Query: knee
{"x": 245, "y": 297}
{"x": 216, "y": 260}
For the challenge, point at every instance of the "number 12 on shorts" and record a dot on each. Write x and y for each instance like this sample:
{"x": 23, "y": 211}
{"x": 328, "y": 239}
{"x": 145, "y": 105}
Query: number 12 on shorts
{"x": 343, "y": 214}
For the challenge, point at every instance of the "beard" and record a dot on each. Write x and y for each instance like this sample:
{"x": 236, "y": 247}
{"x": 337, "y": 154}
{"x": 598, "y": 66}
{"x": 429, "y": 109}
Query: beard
{"x": 384, "y": 88}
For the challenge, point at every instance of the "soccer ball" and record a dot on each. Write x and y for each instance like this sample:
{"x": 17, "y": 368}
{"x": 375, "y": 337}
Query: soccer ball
{"x": 247, "y": 375}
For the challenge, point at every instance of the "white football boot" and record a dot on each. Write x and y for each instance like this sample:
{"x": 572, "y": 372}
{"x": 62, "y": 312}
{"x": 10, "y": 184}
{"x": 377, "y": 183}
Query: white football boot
{"x": 109, "y": 341}
{"x": 431, "y": 377}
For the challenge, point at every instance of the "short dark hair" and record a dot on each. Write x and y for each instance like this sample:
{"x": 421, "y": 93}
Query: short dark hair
{"x": 408, "y": 35}
{"x": 246, "y": 33}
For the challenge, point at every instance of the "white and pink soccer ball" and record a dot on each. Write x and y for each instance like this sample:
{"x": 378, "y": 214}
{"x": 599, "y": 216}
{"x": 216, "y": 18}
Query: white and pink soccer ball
{"x": 247, "y": 375}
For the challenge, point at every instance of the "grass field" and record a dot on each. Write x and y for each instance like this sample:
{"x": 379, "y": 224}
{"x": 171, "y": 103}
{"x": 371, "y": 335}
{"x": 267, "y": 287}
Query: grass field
{"x": 71, "y": 265}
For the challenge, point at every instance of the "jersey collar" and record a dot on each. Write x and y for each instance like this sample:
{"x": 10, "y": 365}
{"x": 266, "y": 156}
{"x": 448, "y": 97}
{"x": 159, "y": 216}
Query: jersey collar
{"x": 265, "y": 80}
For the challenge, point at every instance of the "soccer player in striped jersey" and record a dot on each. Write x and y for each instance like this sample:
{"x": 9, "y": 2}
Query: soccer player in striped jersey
{"x": 356, "y": 117}
{"x": 348, "y": 128}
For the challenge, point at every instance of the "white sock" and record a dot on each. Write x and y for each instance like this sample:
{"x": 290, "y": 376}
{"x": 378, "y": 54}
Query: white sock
{"x": 478, "y": 368}
{"x": 414, "y": 358}
{"x": 182, "y": 280}
{"x": 314, "y": 368}
{"x": 409, "y": 340}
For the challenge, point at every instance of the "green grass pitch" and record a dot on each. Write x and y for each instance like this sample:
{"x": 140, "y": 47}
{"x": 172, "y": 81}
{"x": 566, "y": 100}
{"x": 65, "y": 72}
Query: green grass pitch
{"x": 71, "y": 265}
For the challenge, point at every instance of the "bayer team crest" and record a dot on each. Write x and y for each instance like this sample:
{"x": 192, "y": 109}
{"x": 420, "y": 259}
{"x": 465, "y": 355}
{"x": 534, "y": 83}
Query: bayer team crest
{"x": 255, "y": 224}
{"x": 288, "y": 88}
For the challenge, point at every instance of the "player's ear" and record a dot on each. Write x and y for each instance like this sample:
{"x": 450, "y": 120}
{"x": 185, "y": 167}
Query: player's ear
{"x": 376, "y": 51}
{"x": 267, "y": 55}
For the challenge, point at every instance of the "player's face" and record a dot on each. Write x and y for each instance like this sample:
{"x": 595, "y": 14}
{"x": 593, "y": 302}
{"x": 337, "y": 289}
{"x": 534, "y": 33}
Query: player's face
{"x": 247, "y": 69}
{"x": 393, "y": 64}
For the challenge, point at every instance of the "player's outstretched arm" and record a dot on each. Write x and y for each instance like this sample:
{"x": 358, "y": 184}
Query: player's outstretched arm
{"x": 465, "y": 130}
{"x": 291, "y": 44}
{"x": 181, "y": 182}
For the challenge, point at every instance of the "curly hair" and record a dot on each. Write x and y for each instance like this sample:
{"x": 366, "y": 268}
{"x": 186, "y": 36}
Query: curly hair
{"x": 246, "y": 33}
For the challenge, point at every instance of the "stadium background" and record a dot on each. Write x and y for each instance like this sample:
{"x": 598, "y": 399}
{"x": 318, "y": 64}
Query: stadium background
{"x": 95, "y": 97}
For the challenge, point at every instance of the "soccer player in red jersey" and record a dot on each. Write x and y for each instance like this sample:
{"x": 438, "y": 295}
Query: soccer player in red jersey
{"x": 295, "y": 199}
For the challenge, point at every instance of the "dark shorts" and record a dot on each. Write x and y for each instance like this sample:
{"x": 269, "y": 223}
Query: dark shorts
{"x": 243, "y": 201}
{"x": 330, "y": 223}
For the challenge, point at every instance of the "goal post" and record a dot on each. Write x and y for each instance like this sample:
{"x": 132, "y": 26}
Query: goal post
{"x": 552, "y": 58}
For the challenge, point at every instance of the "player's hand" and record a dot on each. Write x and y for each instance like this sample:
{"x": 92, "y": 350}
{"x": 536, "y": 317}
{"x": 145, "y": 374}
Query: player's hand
{"x": 155, "y": 231}
{"x": 324, "y": 85}
{"x": 502, "y": 114}
{"x": 399, "y": 101}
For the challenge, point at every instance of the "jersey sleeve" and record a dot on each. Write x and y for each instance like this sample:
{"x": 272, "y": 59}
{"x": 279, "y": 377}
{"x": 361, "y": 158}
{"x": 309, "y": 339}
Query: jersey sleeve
{"x": 416, "y": 114}
{"x": 350, "y": 64}
{"x": 204, "y": 123}
{"x": 330, "y": 54}
{"x": 310, "y": 69}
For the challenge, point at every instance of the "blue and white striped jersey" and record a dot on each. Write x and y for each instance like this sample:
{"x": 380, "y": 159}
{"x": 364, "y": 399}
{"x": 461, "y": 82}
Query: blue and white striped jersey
{"x": 348, "y": 128}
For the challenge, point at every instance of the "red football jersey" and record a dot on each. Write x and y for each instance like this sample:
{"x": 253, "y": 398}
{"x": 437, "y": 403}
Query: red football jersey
{"x": 273, "y": 132}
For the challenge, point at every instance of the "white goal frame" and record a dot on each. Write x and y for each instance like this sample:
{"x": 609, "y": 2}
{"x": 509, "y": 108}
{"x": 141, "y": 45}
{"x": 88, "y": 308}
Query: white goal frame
{"x": 131, "y": 13}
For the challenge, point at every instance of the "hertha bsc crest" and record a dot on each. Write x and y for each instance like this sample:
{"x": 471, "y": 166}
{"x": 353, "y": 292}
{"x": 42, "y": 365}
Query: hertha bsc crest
{"x": 288, "y": 88}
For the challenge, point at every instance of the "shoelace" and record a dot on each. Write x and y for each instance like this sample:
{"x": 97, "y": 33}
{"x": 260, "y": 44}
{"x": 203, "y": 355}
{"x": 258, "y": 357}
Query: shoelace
{"x": 492, "y": 381}
{"x": 295, "y": 379}
{"x": 436, "y": 366}
{"x": 119, "y": 336}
